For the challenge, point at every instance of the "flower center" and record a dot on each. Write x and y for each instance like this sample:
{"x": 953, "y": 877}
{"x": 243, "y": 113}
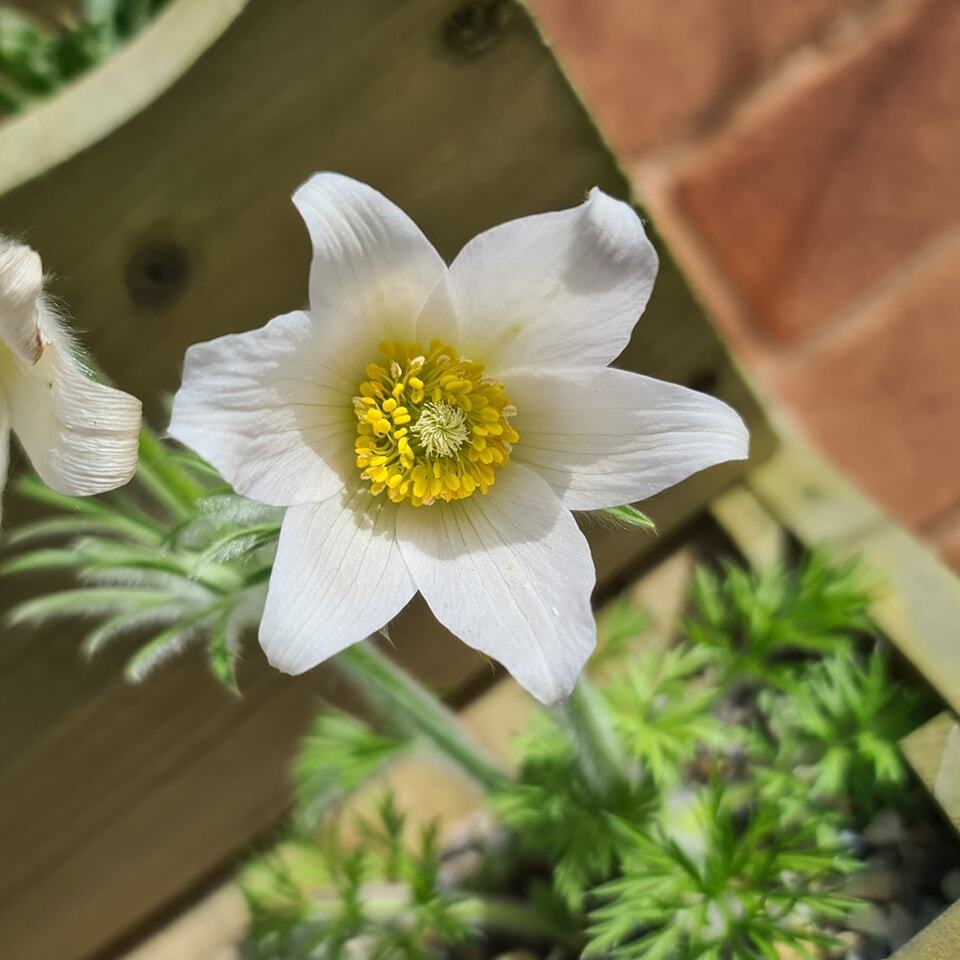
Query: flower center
{"x": 430, "y": 426}
{"x": 441, "y": 429}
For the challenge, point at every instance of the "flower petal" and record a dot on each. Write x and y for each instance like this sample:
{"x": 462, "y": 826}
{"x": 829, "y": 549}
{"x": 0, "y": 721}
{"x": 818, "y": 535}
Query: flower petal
{"x": 620, "y": 437}
{"x": 511, "y": 575}
{"x": 271, "y": 410}
{"x": 338, "y": 577}
{"x": 559, "y": 289}
{"x": 372, "y": 266}
{"x": 82, "y": 437}
{"x": 21, "y": 289}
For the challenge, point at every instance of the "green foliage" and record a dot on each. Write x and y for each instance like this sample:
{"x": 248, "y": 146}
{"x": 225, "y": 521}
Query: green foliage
{"x": 841, "y": 726}
{"x": 328, "y": 899}
{"x": 769, "y": 683}
{"x": 35, "y": 60}
{"x": 553, "y": 812}
{"x": 738, "y": 887}
{"x": 628, "y": 516}
{"x": 338, "y": 754}
{"x": 764, "y": 624}
{"x": 185, "y": 562}
{"x": 662, "y": 706}
{"x": 620, "y": 626}
{"x": 664, "y": 861}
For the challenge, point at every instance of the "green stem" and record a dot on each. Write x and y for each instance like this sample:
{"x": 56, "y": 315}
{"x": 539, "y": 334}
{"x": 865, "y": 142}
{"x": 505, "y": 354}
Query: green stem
{"x": 512, "y": 916}
{"x": 491, "y": 913}
{"x": 586, "y": 721}
{"x": 414, "y": 709}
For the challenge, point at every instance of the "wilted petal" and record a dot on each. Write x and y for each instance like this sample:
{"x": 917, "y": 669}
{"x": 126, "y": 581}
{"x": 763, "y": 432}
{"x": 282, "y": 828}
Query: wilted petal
{"x": 21, "y": 289}
{"x": 372, "y": 266}
{"x": 338, "y": 577}
{"x": 620, "y": 437}
{"x": 555, "y": 290}
{"x": 271, "y": 410}
{"x": 511, "y": 575}
{"x": 81, "y": 436}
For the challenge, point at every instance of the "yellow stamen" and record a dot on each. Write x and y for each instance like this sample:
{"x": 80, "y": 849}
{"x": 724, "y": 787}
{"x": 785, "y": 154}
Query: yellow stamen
{"x": 430, "y": 426}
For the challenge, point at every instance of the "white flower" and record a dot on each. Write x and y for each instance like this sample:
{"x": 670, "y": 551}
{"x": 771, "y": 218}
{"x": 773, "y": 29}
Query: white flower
{"x": 80, "y": 436}
{"x": 431, "y": 428}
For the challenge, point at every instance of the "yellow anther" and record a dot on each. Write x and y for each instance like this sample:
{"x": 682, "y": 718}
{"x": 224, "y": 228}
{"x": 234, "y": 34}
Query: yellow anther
{"x": 430, "y": 427}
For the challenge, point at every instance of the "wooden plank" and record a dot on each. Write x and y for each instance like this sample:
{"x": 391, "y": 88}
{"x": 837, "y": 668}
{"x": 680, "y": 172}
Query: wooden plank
{"x": 209, "y": 930}
{"x": 920, "y": 607}
{"x": 939, "y": 941}
{"x": 933, "y": 751}
{"x": 755, "y": 532}
{"x": 176, "y": 227}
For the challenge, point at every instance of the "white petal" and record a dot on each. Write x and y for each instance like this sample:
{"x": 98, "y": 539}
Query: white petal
{"x": 372, "y": 266}
{"x": 272, "y": 410}
{"x": 620, "y": 437}
{"x": 21, "y": 289}
{"x": 511, "y": 575}
{"x": 4, "y": 448}
{"x": 559, "y": 289}
{"x": 82, "y": 437}
{"x": 338, "y": 577}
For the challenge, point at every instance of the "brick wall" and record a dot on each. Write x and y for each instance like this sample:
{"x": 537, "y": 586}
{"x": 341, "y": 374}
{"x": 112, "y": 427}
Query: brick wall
{"x": 803, "y": 159}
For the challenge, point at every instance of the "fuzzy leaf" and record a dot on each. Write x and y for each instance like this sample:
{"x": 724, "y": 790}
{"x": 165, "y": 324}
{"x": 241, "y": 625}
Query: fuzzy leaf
{"x": 629, "y": 516}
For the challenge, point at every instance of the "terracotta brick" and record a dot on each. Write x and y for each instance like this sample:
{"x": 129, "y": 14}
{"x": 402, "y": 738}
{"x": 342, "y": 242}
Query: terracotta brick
{"x": 654, "y": 70}
{"x": 816, "y": 197}
{"x": 948, "y": 543}
{"x": 882, "y": 396}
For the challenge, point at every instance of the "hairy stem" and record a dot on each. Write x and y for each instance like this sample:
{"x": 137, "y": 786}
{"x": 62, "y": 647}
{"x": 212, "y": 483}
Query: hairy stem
{"x": 586, "y": 721}
{"x": 414, "y": 709}
{"x": 512, "y": 916}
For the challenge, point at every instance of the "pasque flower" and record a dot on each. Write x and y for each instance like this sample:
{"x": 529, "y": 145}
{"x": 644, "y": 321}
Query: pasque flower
{"x": 430, "y": 427}
{"x": 81, "y": 436}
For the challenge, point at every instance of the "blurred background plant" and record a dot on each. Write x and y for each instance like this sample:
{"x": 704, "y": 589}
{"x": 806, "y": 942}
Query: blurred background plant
{"x": 731, "y": 826}
{"x": 38, "y": 57}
